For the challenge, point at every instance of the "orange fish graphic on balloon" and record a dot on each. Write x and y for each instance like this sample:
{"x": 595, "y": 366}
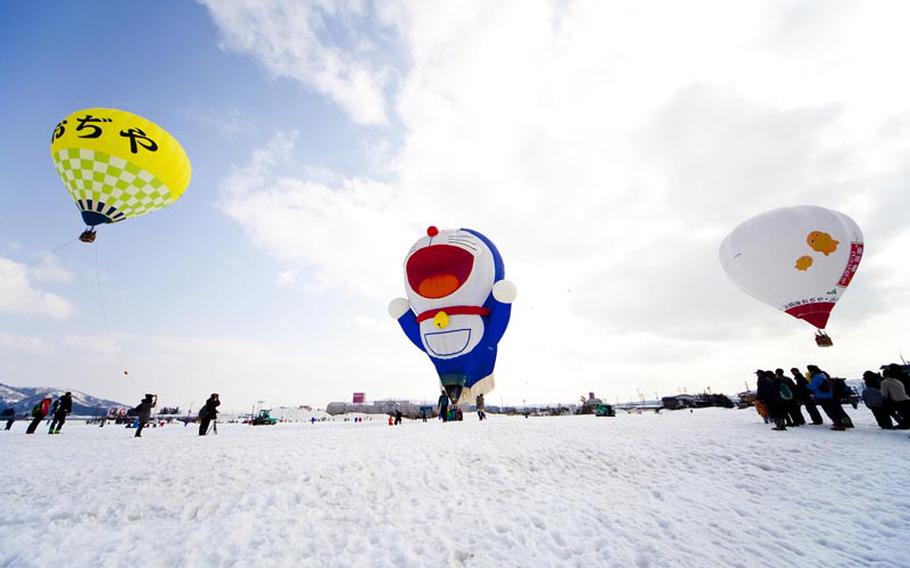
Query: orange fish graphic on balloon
{"x": 803, "y": 263}
{"x": 821, "y": 242}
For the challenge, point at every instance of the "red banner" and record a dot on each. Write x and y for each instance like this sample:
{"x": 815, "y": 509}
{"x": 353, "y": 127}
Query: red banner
{"x": 856, "y": 254}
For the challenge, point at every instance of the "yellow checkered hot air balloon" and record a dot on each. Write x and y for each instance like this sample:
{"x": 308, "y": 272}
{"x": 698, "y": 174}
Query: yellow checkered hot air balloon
{"x": 117, "y": 165}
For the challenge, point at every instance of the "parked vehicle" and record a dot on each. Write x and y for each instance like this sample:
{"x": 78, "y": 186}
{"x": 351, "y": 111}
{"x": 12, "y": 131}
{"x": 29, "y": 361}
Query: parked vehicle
{"x": 604, "y": 410}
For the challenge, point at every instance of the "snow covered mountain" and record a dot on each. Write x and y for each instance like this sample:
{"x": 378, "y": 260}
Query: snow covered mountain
{"x": 22, "y": 399}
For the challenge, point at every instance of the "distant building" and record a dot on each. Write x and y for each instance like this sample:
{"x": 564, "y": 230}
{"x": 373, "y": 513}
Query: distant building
{"x": 408, "y": 409}
{"x": 703, "y": 400}
{"x": 679, "y": 401}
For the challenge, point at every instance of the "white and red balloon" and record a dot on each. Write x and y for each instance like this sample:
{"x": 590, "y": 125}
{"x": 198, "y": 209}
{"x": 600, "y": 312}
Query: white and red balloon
{"x": 799, "y": 260}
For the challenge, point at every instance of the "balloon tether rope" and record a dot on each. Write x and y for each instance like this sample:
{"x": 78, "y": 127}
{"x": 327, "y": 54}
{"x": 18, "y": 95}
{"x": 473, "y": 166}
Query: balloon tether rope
{"x": 38, "y": 257}
{"x": 107, "y": 324}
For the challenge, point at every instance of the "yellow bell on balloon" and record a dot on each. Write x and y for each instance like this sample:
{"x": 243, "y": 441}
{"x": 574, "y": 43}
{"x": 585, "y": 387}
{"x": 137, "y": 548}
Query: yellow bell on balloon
{"x": 118, "y": 165}
{"x": 441, "y": 320}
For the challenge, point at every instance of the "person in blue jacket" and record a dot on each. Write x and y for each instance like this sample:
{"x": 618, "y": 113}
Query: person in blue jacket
{"x": 823, "y": 390}
{"x": 805, "y": 395}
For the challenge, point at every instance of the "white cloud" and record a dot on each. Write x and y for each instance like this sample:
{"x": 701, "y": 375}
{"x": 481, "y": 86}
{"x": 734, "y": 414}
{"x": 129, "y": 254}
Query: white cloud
{"x": 286, "y": 278}
{"x": 292, "y": 39}
{"x": 326, "y": 227}
{"x": 92, "y": 343}
{"x": 19, "y": 296}
{"x": 49, "y": 269}
{"x": 607, "y": 151}
{"x": 25, "y": 344}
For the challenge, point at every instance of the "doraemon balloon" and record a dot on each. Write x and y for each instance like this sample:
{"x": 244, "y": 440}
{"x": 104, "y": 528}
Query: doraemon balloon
{"x": 458, "y": 307}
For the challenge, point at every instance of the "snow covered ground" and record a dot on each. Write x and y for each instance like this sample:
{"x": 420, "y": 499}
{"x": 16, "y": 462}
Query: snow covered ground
{"x": 711, "y": 488}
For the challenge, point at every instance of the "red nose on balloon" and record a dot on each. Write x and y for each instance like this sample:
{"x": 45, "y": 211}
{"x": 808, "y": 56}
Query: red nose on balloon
{"x": 432, "y": 231}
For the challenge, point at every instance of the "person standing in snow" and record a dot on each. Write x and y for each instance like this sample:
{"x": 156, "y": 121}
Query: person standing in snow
{"x": 481, "y": 407}
{"x": 768, "y": 393}
{"x": 842, "y": 393}
{"x": 39, "y": 411}
{"x": 822, "y": 389}
{"x": 53, "y": 411}
{"x": 397, "y": 417}
{"x": 144, "y": 412}
{"x": 444, "y": 406}
{"x": 63, "y": 407}
{"x": 896, "y": 399}
{"x": 787, "y": 385}
{"x": 208, "y": 413}
{"x": 897, "y": 372}
{"x": 805, "y": 396}
{"x": 872, "y": 397}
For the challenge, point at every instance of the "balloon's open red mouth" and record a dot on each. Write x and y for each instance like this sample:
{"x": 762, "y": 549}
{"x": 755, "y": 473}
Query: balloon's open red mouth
{"x": 438, "y": 270}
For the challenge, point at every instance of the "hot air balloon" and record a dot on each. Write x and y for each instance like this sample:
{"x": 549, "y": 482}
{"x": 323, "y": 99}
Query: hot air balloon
{"x": 457, "y": 308}
{"x": 117, "y": 165}
{"x": 797, "y": 259}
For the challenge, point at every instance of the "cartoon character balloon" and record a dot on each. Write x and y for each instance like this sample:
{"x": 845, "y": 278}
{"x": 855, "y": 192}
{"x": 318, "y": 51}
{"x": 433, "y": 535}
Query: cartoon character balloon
{"x": 458, "y": 307}
{"x": 117, "y": 165}
{"x": 797, "y": 259}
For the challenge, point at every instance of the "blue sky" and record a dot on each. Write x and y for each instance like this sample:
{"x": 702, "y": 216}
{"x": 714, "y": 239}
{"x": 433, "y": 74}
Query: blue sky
{"x": 582, "y": 137}
{"x": 192, "y": 265}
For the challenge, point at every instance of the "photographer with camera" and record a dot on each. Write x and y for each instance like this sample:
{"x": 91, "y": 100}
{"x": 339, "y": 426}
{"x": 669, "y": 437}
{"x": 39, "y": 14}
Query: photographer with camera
{"x": 144, "y": 412}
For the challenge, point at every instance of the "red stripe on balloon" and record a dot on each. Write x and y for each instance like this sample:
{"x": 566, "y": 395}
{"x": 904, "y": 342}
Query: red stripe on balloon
{"x": 816, "y": 314}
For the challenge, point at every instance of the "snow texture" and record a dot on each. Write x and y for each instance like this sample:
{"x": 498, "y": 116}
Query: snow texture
{"x": 711, "y": 488}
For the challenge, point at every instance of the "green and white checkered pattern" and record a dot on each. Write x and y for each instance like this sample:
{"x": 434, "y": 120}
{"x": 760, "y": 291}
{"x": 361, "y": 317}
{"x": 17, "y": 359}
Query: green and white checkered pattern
{"x": 107, "y": 179}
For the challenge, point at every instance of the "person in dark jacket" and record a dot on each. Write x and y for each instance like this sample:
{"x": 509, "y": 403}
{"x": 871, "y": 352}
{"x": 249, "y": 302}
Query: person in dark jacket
{"x": 787, "y": 385}
{"x": 768, "y": 393}
{"x": 843, "y": 393}
{"x": 897, "y": 372}
{"x": 823, "y": 391}
{"x": 63, "y": 408}
{"x": 805, "y": 396}
{"x": 39, "y": 411}
{"x": 144, "y": 412}
{"x": 784, "y": 399}
{"x": 208, "y": 413}
{"x": 397, "y": 417}
{"x": 444, "y": 406}
{"x": 10, "y": 415}
{"x": 54, "y": 406}
{"x": 872, "y": 397}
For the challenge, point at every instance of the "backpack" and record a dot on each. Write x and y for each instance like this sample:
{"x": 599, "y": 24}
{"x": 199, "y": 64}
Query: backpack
{"x": 825, "y": 386}
{"x": 785, "y": 392}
